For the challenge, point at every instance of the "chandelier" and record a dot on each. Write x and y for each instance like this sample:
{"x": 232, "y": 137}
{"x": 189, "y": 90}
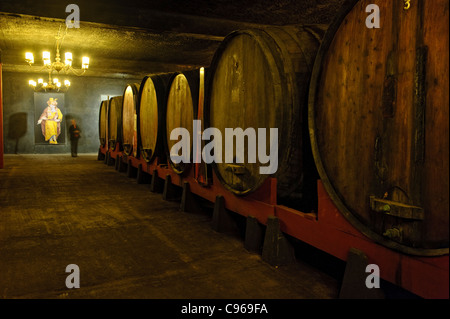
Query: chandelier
{"x": 54, "y": 85}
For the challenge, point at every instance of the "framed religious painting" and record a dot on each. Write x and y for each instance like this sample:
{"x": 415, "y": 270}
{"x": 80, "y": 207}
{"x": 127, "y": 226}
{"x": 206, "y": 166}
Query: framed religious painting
{"x": 49, "y": 115}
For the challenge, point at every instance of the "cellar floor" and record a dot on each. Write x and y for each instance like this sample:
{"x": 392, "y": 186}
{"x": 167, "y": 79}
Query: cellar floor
{"x": 127, "y": 242}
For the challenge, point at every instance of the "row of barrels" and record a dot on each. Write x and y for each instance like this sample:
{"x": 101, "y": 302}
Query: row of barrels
{"x": 140, "y": 121}
{"x": 363, "y": 109}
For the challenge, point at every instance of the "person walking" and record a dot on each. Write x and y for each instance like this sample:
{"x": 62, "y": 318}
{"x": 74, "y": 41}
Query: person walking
{"x": 75, "y": 133}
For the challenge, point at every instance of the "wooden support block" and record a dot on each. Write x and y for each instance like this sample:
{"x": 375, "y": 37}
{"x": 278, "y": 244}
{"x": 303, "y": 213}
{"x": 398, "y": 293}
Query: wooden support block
{"x": 100, "y": 156}
{"x": 277, "y": 250}
{"x": 188, "y": 202}
{"x": 171, "y": 192}
{"x": 121, "y": 166}
{"x": 354, "y": 281}
{"x": 117, "y": 163}
{"x": 254, "y": 235}
{"x": 131, "y": 170}
{"x": 222, "y": 220}
{"x": 110, "y": 160}
{"x": 141, "y": 176}
{"x": 156, "y": 186}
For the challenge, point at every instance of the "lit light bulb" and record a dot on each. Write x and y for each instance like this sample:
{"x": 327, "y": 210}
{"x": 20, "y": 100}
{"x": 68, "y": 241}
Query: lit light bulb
{"x": 29, "y": 57}
{"x": 68, "y": 58}
{"x": 85, "y": 62}
{"x": 46, "y": 57}
{"x": 66, "y": 82}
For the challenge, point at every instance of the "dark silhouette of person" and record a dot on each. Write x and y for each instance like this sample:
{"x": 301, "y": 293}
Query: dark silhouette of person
{"x": 75, "y": 133}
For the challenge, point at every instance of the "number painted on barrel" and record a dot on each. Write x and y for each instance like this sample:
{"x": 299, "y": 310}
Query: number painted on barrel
{"x": 407, "y": 4}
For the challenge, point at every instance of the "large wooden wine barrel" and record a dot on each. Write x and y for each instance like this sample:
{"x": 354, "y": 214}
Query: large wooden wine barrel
{"x": 259, "y": 79}
{"x": 115, "y": 121}
{"x": 151, "y": 122}
{"x": 378, "y": 114}
{"x": 182, "y": 108}
{"x": 103, "y": 123}
{"x": 129, "y": 119}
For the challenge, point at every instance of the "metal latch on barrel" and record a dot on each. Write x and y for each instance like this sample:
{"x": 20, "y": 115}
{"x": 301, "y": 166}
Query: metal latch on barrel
{"x": 127, "y": 147}
{"x": 396, "y": 209}
{"x": 147, "y": 152}
{"x": 236, "y": 169}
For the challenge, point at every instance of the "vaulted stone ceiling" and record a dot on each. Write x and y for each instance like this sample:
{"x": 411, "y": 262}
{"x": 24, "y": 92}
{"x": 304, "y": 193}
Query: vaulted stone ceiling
{"x": 129, "y": 39}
